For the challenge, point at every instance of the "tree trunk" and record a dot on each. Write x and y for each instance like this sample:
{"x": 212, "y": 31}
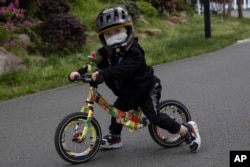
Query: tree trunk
{"x": 239, "y": 3}
{"x": 223, "y": 9}
{"x": 229, "y": 9}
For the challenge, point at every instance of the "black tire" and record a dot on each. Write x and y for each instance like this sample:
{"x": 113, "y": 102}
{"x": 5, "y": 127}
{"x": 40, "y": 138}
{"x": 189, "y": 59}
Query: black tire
{"x": 177, "y": 111}
{"x": 69, "y": 147}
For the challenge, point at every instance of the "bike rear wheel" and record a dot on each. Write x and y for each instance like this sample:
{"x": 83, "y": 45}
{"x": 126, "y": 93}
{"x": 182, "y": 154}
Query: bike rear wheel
{"x": 177, "y": 111}
{"x": 67, "y": 138}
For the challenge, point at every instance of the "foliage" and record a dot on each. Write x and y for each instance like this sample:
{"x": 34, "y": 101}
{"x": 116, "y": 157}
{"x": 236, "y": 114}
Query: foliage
{"x": 111, "y": 1}
{"x": 60, "y": 30}
{"x": 160, "y": 5}
{"x": 146, "y": 8}
{"x": 30, "y": 6}
{"x": 14, "y": 21}
{"x": 47, "y": 8}
{"x": 188, "y": 40}
{"x": 132, "y": 8}
{"x": 21, "y": 82}
{"x": 182, "y": 6}
{"x": 164, "y": 7}
{"x": 86, "y": 11}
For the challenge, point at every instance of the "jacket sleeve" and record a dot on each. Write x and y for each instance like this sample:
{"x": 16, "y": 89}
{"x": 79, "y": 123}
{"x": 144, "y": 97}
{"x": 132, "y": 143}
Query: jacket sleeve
{"x": 82, "y": 70}
{"x": 126, "y": 67}
{"x": 104, "y": 62}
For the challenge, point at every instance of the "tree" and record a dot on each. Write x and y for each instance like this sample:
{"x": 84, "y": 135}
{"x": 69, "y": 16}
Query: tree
{"x": 229, "y": 9}
{"x": 239, "y": 2}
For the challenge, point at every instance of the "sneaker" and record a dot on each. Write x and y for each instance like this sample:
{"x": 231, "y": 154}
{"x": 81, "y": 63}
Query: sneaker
{"x": 192, "y": 138}
{"x": 111, "y": 141}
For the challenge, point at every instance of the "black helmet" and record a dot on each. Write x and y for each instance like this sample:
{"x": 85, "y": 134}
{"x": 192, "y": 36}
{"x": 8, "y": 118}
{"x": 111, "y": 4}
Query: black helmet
{"x": 111, "y": 18}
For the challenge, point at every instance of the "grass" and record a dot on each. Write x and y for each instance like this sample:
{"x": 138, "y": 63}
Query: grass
{"x": 189, "y": 40}
{"x": 172, "y": 44}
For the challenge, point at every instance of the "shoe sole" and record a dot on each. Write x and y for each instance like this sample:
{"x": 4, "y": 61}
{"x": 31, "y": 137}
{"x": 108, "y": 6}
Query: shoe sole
{"x": 113, "y": 146}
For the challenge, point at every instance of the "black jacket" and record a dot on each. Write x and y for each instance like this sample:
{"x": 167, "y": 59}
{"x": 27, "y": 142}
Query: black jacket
{"x": 127, "y": 75}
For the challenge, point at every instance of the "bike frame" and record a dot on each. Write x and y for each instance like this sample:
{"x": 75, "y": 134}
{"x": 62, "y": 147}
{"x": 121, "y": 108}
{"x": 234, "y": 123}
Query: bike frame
{"x": 132, "y": 119}
{"x": 85, "y": 127}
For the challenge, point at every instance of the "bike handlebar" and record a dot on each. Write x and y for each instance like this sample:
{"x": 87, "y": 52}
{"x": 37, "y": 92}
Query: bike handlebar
{"x": 85, "y": 79}
{"x": 88, "y": 79}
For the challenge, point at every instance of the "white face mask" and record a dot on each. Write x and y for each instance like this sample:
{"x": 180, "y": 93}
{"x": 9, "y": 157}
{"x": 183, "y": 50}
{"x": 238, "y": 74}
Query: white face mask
{"x": 118, "y": 38}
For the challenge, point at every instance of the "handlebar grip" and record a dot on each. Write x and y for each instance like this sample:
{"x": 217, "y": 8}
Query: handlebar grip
{"x": 84, "y": 79}
{"x": 87, "y": 79}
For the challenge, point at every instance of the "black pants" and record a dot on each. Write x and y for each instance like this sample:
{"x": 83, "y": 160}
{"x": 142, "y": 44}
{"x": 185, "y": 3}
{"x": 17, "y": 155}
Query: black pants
{"x": 150, "y": 110}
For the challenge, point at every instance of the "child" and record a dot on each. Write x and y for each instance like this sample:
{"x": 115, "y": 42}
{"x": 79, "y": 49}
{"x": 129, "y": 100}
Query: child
{"x": 125, "y": 72}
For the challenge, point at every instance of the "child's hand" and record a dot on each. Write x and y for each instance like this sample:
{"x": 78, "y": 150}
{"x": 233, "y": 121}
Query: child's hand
{"x": 73, "y": 75}
{"x": 97, "y": 78}
{"x": 95, "y": 75}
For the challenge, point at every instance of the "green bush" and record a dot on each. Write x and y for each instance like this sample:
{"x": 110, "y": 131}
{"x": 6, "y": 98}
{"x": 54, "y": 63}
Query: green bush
{"x": 4, "y": 34}
{"x": 146, "y": 8}
{"x": 86, "y": 11}
{"x": 132, "y": 8}
{"x": 185, "y": 7}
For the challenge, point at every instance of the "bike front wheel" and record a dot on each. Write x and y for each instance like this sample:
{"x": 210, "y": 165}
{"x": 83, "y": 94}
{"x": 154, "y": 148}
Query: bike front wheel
{"x": 68, "y": 142}
{"x": 177, "y": 111}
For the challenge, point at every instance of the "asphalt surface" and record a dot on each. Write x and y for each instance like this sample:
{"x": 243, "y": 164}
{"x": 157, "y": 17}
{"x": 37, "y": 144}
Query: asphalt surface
{"x": 246, "y": 13}
{"x": 214, "y": 87}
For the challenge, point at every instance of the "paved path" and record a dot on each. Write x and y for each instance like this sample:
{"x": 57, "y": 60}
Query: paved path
{"x": 246, "y": 13}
